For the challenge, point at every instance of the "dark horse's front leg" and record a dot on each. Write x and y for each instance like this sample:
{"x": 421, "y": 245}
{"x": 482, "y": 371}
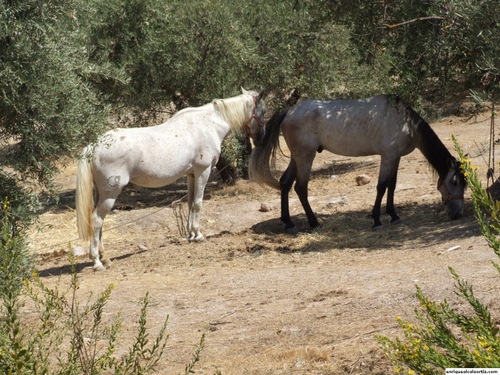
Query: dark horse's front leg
{"x": 391, "y": 187}
{"x": 381, "y": 187}
{"x": 387, "y": 181}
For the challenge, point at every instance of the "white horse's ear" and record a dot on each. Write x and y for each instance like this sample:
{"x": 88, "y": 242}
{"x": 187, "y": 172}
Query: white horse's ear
{"x": 243, "y": 91}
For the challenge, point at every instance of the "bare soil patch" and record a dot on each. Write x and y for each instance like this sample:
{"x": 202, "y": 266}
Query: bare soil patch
{"x": 268, "y": 302}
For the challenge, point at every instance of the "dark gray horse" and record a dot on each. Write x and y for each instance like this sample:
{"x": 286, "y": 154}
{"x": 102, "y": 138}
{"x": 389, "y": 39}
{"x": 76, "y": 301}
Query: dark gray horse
{"x": 381, "y": 125}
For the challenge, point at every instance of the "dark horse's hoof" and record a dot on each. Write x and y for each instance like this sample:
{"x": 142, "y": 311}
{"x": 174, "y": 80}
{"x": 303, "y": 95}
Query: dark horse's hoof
{"x": 396, "y": 221}
{"x": 292, "y": 230}
{"x": 313, "y": 228}
{"x": 376, "y": 228}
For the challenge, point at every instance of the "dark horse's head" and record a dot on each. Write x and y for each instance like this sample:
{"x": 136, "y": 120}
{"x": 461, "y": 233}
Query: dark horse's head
{"x": 452, "y": 187}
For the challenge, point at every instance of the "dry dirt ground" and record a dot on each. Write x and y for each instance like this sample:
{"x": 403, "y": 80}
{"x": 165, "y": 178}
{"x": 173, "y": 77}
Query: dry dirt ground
{"x": 268, "y": 302}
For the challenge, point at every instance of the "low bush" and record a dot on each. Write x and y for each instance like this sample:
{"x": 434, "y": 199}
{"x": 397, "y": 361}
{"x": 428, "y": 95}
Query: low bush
{"x": 48, "y": 331}
{"x": 444, "y": 337}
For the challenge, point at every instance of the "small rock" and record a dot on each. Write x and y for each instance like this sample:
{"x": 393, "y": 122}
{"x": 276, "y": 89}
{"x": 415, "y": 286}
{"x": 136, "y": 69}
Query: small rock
{"x": 337, "y": 201}
{"x": 142, "y": 247}
{"x": 264, "y": 207}
{"x": 363, "y": 179}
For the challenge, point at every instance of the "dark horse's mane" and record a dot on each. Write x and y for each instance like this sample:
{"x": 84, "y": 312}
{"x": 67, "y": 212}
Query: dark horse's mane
{"x": 429, "y": 143}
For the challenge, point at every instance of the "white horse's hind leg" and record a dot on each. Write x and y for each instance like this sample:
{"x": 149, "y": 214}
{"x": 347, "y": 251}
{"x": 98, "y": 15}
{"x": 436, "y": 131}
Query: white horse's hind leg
{"x": 190, "y": 181}
{"x": 95, "y": 241}
{"x": 196, "y": 189}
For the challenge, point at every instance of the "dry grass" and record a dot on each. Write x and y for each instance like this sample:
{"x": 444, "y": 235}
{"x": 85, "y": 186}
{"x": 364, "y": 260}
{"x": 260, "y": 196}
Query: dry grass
{"x": 298, "y": 355}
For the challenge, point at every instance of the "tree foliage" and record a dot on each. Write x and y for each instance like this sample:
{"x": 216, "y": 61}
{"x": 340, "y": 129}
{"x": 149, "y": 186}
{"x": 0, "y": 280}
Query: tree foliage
{"x": 47, "y": 107}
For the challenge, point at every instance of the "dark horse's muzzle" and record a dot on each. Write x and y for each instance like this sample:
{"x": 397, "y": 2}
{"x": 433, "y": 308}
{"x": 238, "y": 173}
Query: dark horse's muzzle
{"x": 455, "y": 206}
{"x": 455, "y": 209}
{"x": 452, "y": 192}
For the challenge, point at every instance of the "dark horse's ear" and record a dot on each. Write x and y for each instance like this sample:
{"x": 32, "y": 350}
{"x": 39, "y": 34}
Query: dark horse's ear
{"x": 261, "y": 95}
{"x": 453, "y": 163}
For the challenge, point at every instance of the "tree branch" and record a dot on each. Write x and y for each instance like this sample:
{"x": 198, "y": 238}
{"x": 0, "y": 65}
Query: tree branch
{"x": 430, "y": 18}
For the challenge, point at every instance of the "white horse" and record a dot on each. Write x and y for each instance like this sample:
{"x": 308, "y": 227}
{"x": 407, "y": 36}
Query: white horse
{"x": 188, "y": 144}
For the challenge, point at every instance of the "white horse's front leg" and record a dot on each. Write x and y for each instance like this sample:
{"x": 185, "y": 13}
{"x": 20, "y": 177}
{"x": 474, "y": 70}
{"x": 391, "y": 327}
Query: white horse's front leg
{"x": 196, "y": 189}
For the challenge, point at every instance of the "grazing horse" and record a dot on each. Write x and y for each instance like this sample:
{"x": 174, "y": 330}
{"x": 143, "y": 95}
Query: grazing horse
{"x": 189, "y": 143}
{"x": 380, "y": 125}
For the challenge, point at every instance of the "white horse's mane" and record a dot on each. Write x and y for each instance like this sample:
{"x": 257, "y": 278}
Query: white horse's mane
{"x": 235, "y": 110}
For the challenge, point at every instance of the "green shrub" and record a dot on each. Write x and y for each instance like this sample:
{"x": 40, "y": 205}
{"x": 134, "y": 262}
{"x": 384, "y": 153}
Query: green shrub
{"x": 15, "y": 267}
{"x": 58, "y": 334}
{"x": 444, "y": 337}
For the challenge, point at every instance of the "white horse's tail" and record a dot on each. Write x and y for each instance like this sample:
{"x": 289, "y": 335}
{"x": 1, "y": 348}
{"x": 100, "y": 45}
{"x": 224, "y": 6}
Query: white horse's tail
{"x": 84, "y": 198}
{"x": 263, "y": 157}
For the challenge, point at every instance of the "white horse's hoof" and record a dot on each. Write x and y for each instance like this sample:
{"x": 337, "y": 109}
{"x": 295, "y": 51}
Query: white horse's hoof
{"x": 197, "y": 238}
{"x": 99, "y": 267}
{"x": 106, "y": 263}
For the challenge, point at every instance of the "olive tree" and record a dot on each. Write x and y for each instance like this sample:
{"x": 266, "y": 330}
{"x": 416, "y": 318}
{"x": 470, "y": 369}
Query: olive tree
{"x": 48, "y": 106}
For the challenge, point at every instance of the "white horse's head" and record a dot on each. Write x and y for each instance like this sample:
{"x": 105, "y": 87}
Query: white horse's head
{"x": 243, "y": 112}
{"x": 254, "y": 126}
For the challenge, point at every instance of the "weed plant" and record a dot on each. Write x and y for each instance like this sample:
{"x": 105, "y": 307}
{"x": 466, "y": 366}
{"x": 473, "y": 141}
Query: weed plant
{"x": 444, "y": 337}
{"x": 48, "y": 331}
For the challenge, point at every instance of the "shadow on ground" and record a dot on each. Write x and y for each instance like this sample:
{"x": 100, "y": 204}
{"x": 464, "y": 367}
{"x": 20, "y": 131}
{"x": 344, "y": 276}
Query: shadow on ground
{"x": 420, "y": 226}
{"x": 68, "y": 269}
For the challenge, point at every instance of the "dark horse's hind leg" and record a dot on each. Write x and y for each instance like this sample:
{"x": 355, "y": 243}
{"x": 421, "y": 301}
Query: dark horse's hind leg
{"x": 286, "y": 182}
{"x": 303, "y": 172}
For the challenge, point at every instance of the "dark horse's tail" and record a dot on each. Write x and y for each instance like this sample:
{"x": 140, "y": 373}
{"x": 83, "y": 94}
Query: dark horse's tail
{"x": 263, "y": 156}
